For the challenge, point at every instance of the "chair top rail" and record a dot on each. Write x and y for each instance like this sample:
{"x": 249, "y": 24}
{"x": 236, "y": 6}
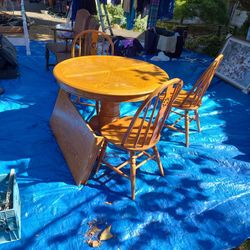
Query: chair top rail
{"x": 157, "y": 111}
{"x": 195, "y": 95}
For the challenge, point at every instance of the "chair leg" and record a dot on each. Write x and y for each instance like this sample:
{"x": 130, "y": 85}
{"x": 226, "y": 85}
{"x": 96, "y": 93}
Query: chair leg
{"x": 187, "y": 127}
{"x": 97, "y": 107}
{"x": 78, "y": 99}
{"x": 47, "y": 58}
{"x": 158, "y": 159}
{"x": 132, "y": 173}
{"x": 197, "y": 118}
{"x": 102, "y": 153}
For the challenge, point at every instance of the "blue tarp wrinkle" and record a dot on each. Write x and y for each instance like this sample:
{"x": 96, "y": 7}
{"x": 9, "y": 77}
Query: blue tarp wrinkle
{"x": 203, "y": 202}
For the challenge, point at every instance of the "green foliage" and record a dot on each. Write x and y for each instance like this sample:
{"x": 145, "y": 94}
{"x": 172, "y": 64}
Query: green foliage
{"x": 140, "y": 23}
{"x": 214, "y": 11}
{"x": 165, "y": 24}
{"x": 184, "y": 9}
{"x": 213, "y": 45}
{"x": 117, "y": 17}
{"x": 210, "y": 11}
{"x": 208, "y": 44}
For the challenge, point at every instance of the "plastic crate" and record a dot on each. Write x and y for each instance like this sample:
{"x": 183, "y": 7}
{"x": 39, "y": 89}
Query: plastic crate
{"x": 10, "y": 209}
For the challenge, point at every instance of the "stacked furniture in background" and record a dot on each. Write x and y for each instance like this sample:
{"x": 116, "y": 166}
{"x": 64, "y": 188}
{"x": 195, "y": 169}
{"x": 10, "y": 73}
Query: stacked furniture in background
{"x": 91, "y": 42}
{"x": 61, "y": 46}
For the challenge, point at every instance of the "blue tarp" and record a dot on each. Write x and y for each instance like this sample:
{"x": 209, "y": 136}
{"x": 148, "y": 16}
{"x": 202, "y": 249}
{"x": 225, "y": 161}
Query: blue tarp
{"x": 203, "y": 202}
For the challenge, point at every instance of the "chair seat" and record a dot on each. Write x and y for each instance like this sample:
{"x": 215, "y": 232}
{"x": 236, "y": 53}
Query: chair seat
{"x": 114, "y": 133}
{"x": 188, "y": 105}
{"x": 56, "y": 47}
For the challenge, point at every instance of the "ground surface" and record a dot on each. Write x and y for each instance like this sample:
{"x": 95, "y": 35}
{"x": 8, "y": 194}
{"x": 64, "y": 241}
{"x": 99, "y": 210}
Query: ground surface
{"x": 202, "y": 202}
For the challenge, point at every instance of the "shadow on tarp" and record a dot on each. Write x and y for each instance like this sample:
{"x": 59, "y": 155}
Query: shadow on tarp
{"x": 234, "y": 110}
{"x": 201, "y": 203}
{"x": 21, "y": 138}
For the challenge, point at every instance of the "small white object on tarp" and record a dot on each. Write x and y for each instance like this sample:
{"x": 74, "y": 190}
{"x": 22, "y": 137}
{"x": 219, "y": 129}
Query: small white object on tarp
{"x": 10, "y": 208}
{"x": 160, "y": 57}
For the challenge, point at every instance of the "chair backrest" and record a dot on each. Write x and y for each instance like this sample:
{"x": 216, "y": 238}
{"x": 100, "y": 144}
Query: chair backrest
{"x": 92, "y": 42}
{"x": 93, "y": 24}
{"x": 195, "y": 95}
{"x": 81, "y": 21}
{"x": 146, "y": 125}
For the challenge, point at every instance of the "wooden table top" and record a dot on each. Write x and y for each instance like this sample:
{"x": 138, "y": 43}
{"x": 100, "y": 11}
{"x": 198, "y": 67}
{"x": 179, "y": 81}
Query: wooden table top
{"x": 109, "y": 77}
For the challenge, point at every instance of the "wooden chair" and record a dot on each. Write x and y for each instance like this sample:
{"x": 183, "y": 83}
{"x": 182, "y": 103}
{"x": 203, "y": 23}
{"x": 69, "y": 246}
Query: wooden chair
{"x": 141, "y": 132}
{"x": 191, "y": 100}
{"x": 62, "y": 50}
{"x": 91, "y": 42}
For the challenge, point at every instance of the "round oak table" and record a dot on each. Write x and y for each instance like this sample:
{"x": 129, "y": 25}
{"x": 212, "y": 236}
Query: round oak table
{"x": 110, "y": 80}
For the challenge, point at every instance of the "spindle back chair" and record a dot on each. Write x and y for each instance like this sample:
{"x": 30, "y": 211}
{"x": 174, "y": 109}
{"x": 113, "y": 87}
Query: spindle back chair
{"x": 91, "y": 42}
{"x": 192, "y": 100}
{"x": 142, "y": 131}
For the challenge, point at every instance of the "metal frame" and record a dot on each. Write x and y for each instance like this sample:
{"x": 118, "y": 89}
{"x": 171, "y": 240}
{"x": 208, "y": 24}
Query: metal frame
{"x": 229, "y": 68}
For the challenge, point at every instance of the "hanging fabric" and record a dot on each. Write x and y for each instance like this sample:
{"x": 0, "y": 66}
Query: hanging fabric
{"x": 129, "y": 9}
{"x": 135, "y": 4}
{"x": 116, "y": 2}
{"x": 153, "y": 13}
{"x": 130, "y": 17}
{"x": 160, "y": 9}
{"x": 74, "y": 9}
{"x": 166, "y": 9}
{"x": 126, "y": 5}
{"x": 89, "y": 5}
{"x": 143, "y": 7}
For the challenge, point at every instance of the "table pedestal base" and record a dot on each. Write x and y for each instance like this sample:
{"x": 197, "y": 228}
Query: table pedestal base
{"x": 109, "y": 112}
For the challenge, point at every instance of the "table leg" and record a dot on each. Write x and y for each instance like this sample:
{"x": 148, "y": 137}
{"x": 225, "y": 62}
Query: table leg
{"x": 109, "y": 112}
